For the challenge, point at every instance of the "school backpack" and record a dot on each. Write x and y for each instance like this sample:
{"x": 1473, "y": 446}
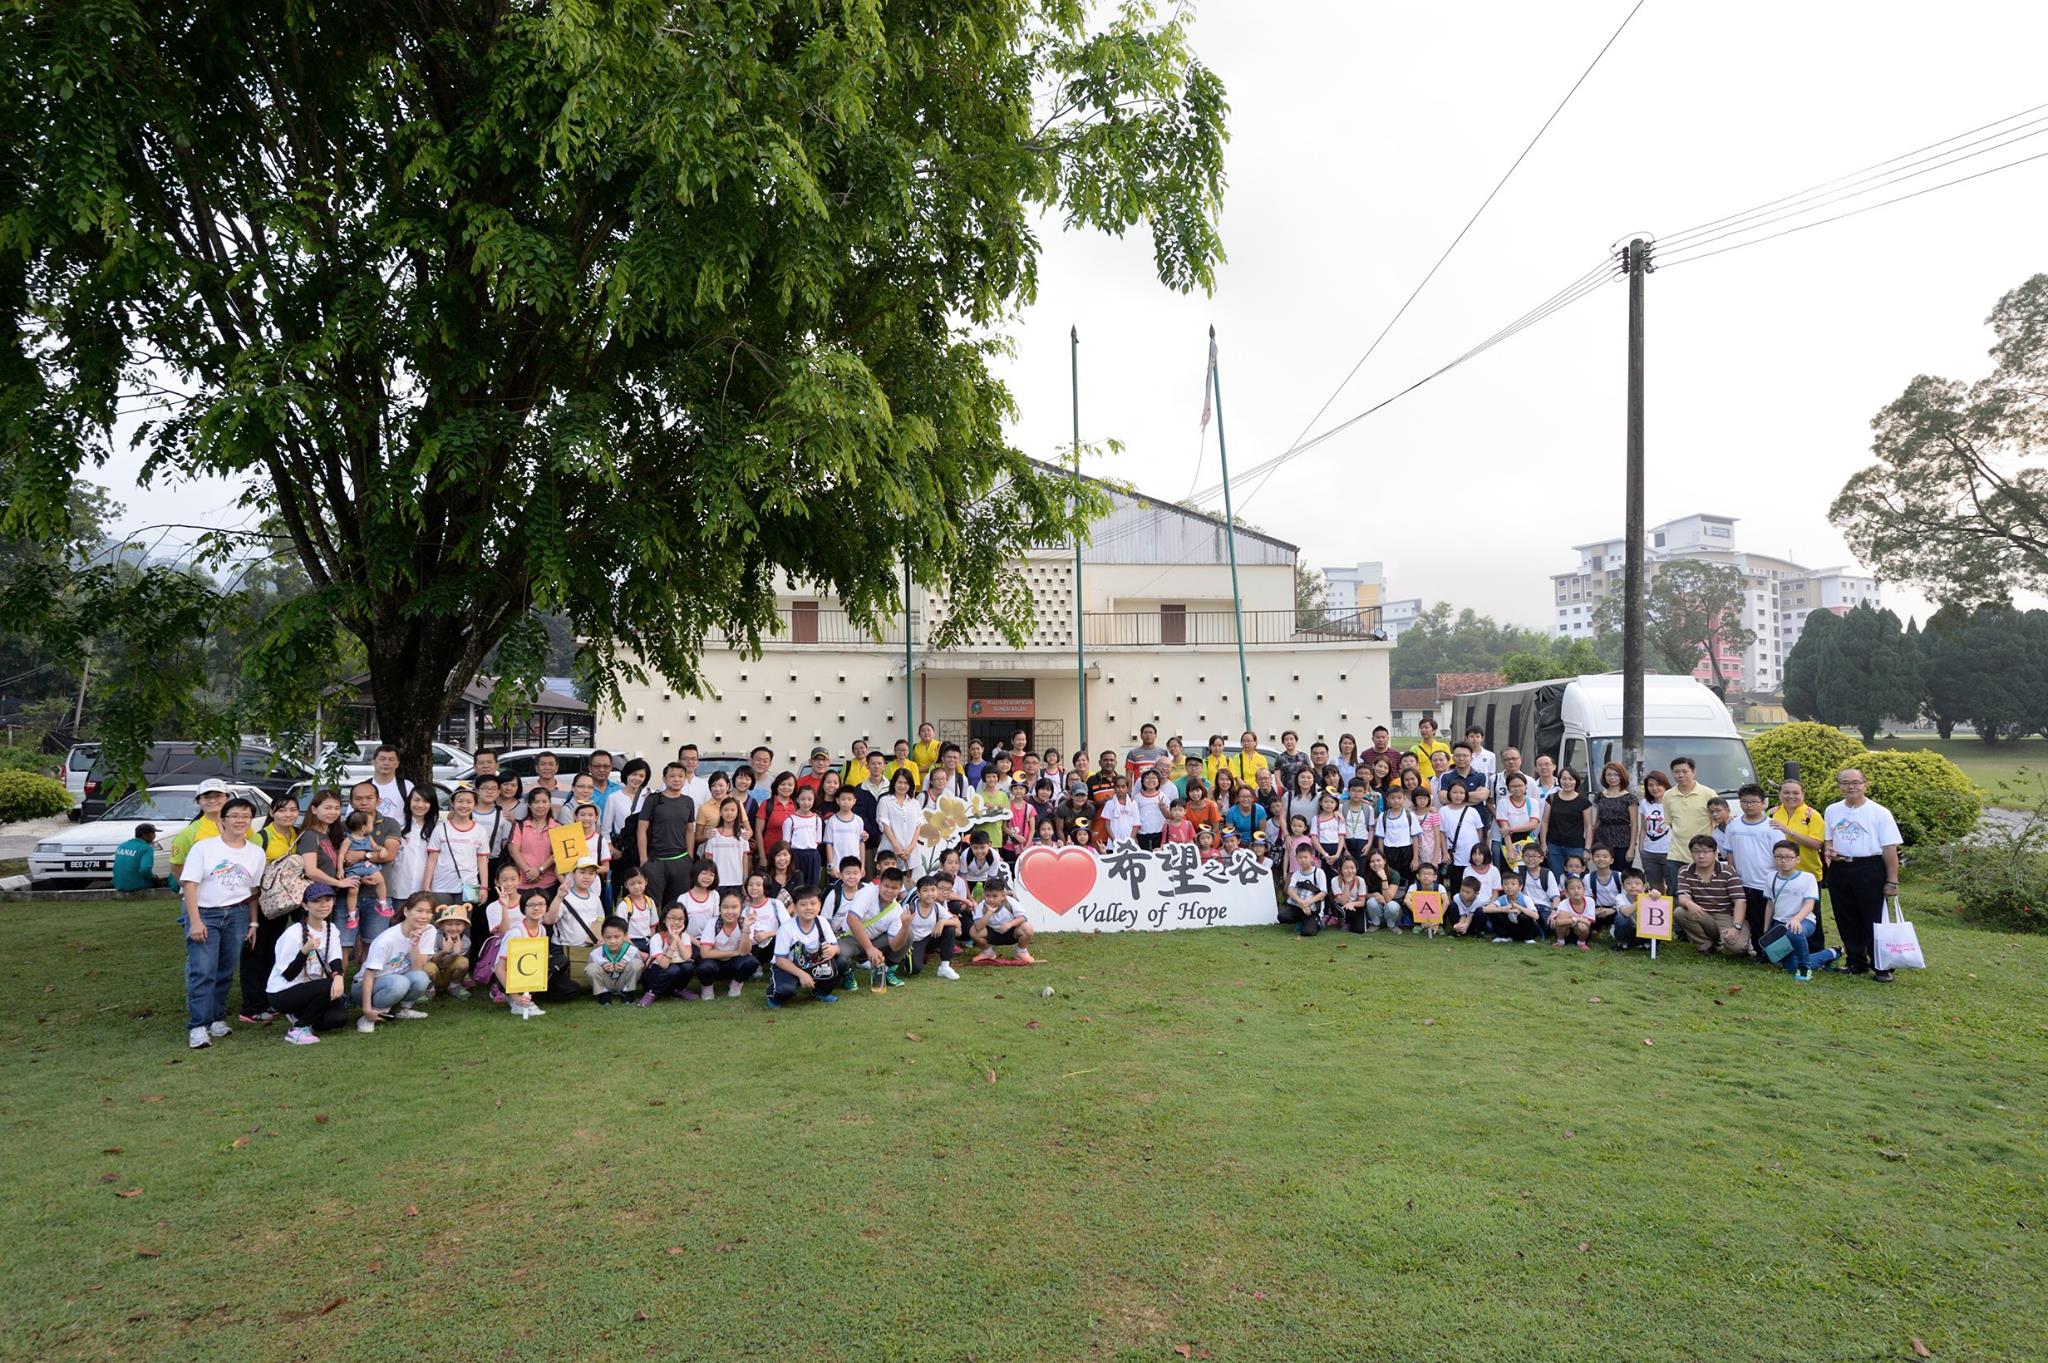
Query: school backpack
{"x": 284, "y": 887}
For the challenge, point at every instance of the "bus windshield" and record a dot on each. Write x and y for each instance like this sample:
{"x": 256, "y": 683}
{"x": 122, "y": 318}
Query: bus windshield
{"x": 1722, "y": 764}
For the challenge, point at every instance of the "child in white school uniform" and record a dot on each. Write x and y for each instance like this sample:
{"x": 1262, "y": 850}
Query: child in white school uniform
{"x": 935, "y": 928}
{"x": 804, "y": 955}
{"x": 615, "y": 964}
{"x": 671, "y": 970}
{"x": 725, "y": 951}
{"x": 998, "y": 922}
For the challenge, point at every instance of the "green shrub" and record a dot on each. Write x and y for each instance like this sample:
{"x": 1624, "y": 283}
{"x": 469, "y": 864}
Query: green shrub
{"x": 30, "y": 760}
{"x": 1928, "y": 794}
{"x": 2000, "y": 877}
{"x": 1820, "y": 750}
{"x": 24, "y": 795}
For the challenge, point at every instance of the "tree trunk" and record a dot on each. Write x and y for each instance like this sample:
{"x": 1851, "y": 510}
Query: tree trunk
{"x": 413, "y": 695}
{"x": 1946, "y": 728}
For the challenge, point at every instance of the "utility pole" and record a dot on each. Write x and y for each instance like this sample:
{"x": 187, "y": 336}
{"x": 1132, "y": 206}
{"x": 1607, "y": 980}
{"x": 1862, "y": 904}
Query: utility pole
{"x": 1080, "y": 617}
{"x": 84, "y": 673}
{"x": 1632, "y": 621}
{"x": 909, "y": 695}
{"x": 1244, "y": 673}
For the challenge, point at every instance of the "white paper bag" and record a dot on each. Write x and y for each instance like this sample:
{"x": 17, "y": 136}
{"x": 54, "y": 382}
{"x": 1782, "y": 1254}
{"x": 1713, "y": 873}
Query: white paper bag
{"x": 1894, "y": 943}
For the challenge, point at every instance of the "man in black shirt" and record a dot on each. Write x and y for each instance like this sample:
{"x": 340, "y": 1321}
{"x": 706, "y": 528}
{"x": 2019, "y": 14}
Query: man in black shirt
{"x": 667, "y": 836}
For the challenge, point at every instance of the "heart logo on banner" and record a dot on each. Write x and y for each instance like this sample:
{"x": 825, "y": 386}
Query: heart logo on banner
{"x": 1058, "y": 877}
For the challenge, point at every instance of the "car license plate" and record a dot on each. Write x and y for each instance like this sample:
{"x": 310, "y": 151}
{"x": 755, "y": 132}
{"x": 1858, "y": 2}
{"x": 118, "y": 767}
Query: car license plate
{"x": 88, "y": 864}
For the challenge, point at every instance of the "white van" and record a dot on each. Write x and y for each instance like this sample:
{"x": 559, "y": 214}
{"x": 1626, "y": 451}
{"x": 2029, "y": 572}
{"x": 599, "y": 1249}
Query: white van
{"x": 1577, "y": 721}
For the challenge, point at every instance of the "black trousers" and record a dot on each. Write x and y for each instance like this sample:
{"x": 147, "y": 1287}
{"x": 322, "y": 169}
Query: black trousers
{"x": 258, "y": 958}
{"x": 307, "y": 1004}
{"x": 666, "y": 880}
{"x": 1756, "y": 912}
{"x": 1513, "y": 926}
{"x": 946, "y": 944}
{"x": 741, "y": 968}
{"x": 1856, "y": 888}
{"x": 783, "y": 986}
{"x": 663, "y": 981}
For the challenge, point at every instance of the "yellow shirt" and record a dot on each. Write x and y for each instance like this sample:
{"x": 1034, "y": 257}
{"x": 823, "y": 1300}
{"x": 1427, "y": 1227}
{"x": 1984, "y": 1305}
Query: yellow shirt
{"x": 1423, "y": 751}
{"x": 1687, "y": 815}
{"x": 925, "y": 754}
{"x": 276, "y": 843}
{"x": 916, "y": 773}
{"x": 189, "y": 836}
{"x": 1246, "y": 766}
{"x": 1808, "y": 822}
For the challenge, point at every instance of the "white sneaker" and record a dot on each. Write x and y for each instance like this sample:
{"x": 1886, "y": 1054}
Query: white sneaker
{"x": 219, "y": 1029}
{"x": 522, "y": 1012}
{"x": 197, "y": 1039}
{"x": 409, "y": 1014}
{"x": 706, "y": 993}
{"x": 533, "y": 1010}
{"x": 301, "y": 1036}
{"x": 946, "y": 971}
{"x": 732, "y": 991}
{"x": 365, "y": 1026}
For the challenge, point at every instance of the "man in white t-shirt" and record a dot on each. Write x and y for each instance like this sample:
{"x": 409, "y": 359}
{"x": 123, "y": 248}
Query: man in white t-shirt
{"x": 696, "y": 787}
{"x": 1862, "y": 858}
{"x": 392, "y": 789}
{"x": 219, "y": 880}
{"x": 878, "y": 938}
{"x": 1482, "y": 759}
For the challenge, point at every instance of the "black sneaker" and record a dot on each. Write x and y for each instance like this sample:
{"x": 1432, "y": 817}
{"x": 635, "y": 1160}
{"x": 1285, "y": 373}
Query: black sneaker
{"x": 1881, "y": 976}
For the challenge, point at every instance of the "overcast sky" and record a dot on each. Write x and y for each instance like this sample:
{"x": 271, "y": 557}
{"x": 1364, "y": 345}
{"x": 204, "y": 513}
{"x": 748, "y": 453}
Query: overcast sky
{"x": 1363, "y": 135}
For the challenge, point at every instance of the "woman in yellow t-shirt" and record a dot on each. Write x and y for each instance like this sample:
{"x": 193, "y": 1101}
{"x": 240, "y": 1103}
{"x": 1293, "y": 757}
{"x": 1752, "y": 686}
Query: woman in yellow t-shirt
{"x": 1802, "y": 823}
{"x": 925, "y": 752}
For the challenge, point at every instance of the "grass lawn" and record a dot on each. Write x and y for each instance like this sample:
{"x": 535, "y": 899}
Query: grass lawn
{"x": 1989, "y": 765}
{"x": 1253, "y": 1146}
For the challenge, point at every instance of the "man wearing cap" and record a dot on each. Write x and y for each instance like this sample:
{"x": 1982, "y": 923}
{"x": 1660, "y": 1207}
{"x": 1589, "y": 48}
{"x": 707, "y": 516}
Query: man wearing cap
{"x": 213, "y": 793}
{"x": 135, "y": 861}
{"x": 821, "y": 766}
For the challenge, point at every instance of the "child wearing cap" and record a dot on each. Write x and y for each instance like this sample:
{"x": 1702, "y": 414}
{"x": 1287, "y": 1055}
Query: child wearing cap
{"x": 448, "y": 963}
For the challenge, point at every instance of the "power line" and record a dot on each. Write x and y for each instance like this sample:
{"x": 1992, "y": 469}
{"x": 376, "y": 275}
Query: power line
{"x": 2011, "y": 136}
{"x": 1583, "y": 287}
{"x": 1675, "y": 237}
{"x": 1491, "y": 195}
{"x": 1579, "y": 288}
{"x": 1854, "y": 212}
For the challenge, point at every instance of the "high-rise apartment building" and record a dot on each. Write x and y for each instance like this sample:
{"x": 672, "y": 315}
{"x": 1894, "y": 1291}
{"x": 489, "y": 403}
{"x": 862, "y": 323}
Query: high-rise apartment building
{"x": 1779, "y": 593}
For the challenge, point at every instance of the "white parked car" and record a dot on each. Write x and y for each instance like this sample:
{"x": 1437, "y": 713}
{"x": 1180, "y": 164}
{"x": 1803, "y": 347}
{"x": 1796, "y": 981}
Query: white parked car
{"x": 82, "y": 856}
{"x": 449, "y": 761}
{"x": 76, "y": 765}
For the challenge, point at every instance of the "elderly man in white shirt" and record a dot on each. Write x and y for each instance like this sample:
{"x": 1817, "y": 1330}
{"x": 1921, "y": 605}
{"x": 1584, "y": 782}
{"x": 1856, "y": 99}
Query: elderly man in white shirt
{"x": 1861, "y": 853}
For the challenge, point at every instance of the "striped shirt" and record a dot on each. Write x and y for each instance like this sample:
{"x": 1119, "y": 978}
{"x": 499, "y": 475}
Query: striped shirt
{"x": 1719, "y": 892}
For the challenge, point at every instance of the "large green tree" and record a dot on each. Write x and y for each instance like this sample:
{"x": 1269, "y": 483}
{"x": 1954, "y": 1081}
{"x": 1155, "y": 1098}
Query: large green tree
{"x": 1987, "y": 667}
{"x": 608, "y": 311}
{"x": 1858, "y": 669}
{"x": 1957, "y": 502}
{"x": 1693, "y": 613}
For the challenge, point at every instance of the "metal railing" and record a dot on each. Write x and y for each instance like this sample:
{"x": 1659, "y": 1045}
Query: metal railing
{"x": 1198, "y": 629}
{"x": 829, "y": 627}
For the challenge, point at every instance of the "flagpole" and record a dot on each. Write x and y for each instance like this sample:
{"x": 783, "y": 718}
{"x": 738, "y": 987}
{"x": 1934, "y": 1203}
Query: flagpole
{"x": 1244, "y": 675}
{"x": 1080, "y": 616}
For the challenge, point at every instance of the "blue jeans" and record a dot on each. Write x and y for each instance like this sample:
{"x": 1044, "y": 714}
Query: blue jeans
{"x": 1554, "y": 856}
{"x": 210, "y": 965}
{"x": 1801, "y": 958}
{"x": 396, "y": 987}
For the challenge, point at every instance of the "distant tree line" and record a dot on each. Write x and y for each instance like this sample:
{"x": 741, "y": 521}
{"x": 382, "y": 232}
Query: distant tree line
{"x": 1984, "y": 666}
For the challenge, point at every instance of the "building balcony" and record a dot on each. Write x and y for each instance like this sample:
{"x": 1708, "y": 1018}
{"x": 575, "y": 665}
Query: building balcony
{"x": 803, "y": 626}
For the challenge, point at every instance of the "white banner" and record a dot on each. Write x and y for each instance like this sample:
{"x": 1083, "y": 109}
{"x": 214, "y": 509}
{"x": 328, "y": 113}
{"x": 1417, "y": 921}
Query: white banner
{"x": 1126, "y": 889}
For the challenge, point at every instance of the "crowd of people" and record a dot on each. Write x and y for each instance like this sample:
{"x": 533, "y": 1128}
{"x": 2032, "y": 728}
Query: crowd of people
{"x": 810, "y": 879}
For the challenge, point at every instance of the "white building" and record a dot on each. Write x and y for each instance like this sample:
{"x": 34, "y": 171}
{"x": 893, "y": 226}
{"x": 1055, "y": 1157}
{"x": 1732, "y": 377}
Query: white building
{"x": 1161, "y": 647}
{"x": 1354, "y": 588}
{"x": 1396, "y": 616}
{"x": 1780, "y": 593}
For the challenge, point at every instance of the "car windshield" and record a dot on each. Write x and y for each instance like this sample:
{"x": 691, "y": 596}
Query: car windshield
{"x": 1721, "y": 764}
{"x": 157, "y": 807}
